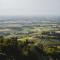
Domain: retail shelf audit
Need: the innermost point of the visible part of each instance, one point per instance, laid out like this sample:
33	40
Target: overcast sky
29	7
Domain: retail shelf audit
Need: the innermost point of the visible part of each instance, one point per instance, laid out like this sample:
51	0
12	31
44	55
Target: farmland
30	38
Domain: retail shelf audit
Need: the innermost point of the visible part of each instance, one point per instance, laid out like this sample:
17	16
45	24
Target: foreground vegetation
24	48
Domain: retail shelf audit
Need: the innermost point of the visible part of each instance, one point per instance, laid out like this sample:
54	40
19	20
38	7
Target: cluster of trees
14	50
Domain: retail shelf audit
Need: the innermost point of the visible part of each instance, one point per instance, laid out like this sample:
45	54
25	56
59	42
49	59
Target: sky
29	7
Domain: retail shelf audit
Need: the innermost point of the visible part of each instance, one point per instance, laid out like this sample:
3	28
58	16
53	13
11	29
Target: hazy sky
29	7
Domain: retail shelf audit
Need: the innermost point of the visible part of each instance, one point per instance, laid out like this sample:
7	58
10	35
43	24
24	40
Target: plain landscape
29	38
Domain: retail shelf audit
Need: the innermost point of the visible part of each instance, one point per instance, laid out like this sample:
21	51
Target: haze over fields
8	23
